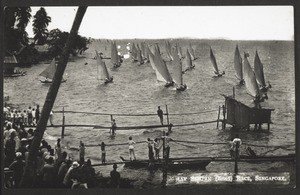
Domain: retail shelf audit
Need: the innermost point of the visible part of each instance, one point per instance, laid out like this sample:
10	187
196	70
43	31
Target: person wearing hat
17	167
115	177
69	175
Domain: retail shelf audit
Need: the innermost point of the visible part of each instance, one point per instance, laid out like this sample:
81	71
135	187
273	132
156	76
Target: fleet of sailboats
49	73
254	80
215	65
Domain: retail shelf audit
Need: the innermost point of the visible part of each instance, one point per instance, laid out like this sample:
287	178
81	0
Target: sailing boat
168	50
188	61
215	65
133	52
259	73
147	53
192	53
49	73
238	65
161	69
102	72
251	84
139	55
114	55
178	72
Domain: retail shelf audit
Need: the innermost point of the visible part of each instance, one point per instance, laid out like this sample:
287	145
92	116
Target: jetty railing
169	125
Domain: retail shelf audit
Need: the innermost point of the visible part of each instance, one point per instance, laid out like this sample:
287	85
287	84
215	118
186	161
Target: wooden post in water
224	120
218	117
164	144
63	125
236	157
167	115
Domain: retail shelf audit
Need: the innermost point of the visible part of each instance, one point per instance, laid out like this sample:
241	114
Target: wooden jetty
171	164
241	116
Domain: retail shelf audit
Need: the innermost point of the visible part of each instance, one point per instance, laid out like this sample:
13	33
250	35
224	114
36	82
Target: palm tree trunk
29	172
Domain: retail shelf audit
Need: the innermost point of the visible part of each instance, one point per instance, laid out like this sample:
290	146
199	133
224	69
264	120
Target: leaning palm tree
40	23
30	168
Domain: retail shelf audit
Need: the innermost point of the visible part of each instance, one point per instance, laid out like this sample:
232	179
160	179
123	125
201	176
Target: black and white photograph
148	97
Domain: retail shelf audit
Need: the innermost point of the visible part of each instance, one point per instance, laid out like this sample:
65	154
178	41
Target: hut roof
10	60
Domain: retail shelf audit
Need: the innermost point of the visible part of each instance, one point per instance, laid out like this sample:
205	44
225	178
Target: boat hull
170	165
15	75
109	80
50	81
181	88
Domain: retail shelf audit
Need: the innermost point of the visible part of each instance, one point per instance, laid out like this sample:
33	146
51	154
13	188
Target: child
103	152
131	149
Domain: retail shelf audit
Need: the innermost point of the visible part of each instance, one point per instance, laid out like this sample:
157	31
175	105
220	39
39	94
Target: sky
155	22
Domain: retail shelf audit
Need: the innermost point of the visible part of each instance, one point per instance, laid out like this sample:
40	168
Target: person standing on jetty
156	148
51	118
37	114
115	177
113	127
131	149
237	142
160	114
167	144
150	149
81	152
103	153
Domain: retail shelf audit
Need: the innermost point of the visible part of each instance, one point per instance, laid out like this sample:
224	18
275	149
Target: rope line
116	114
191	124
268	146
118	144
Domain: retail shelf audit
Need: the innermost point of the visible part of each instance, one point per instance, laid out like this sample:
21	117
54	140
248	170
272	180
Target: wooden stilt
224	120
236	169
218	117
164	144
167	115
63	125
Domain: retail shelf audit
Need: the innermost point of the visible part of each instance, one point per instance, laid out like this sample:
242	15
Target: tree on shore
40	23
28	177
57	39
15	22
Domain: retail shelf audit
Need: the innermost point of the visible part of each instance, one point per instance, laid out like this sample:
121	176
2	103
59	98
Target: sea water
135	90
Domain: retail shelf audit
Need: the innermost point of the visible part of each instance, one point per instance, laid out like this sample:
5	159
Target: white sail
102	69
238	65
259	70
114	54
188	60
191	51
50	70
161	67
213	61
133	52
152	60
177	76
168	50
250	79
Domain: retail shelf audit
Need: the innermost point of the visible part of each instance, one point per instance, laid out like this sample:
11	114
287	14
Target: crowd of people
54	167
